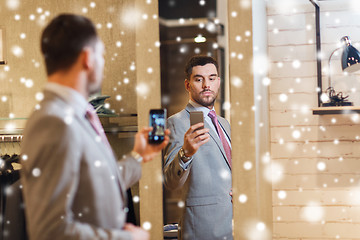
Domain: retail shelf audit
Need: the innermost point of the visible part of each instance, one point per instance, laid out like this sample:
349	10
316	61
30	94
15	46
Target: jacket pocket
201	201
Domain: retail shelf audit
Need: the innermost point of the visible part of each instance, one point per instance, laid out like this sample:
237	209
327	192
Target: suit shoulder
223	119
50	118
40	123
224	122
179	123
183	114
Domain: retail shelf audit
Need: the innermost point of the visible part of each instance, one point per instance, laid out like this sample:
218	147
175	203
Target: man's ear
87	56
187	84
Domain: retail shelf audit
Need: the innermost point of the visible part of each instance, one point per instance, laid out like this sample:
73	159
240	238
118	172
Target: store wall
24	75
315	158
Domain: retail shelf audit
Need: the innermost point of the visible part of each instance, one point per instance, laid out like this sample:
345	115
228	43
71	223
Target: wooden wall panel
331	140
148	97
253	218
111	27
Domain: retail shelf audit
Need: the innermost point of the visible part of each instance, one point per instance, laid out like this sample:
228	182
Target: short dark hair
199	60
63	40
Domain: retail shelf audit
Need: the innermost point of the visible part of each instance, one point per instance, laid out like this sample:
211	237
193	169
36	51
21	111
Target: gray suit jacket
73	187
205	184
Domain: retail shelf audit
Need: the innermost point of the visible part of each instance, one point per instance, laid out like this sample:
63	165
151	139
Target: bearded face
203	85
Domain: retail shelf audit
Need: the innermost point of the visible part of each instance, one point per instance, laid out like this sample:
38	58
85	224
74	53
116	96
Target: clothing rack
11	138
12	225
10	144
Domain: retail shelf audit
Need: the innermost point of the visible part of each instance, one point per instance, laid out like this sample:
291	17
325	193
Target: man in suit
73	187
198	160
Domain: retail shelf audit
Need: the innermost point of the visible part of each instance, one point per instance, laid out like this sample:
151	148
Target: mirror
310	169
189	28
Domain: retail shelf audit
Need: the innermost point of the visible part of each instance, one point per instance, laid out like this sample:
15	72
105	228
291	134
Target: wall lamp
349	62
350	59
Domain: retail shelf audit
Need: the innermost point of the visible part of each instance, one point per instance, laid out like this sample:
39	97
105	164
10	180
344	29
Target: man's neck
70	79
200	105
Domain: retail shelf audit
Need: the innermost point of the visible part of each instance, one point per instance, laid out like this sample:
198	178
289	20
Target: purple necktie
96	124
212	115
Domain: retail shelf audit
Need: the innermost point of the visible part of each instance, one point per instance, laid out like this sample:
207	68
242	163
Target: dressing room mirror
301	180
213	22
189	28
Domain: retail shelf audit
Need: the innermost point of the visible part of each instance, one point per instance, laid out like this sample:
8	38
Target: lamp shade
350	58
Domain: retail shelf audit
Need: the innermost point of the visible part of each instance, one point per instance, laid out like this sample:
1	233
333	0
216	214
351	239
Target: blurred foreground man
198	161
73	186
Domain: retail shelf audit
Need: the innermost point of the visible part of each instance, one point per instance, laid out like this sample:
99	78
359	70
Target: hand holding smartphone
191	145
157	120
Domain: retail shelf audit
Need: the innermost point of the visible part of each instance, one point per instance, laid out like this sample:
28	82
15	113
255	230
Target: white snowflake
243	198
312	212
36	172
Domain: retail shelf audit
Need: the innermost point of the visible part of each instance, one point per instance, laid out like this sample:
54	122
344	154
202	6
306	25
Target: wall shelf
121	129
336	110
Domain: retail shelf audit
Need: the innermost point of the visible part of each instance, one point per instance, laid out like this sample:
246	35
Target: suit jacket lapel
189	108
109	156
216	138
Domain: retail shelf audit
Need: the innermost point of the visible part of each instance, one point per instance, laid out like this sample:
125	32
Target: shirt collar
199	107
69	95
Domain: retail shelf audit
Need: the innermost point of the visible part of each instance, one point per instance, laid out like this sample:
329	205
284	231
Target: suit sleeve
50	177
130	170
174	175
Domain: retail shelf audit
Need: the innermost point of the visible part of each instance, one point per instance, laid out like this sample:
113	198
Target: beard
206	101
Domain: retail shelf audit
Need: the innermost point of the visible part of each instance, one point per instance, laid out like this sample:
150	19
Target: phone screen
157	120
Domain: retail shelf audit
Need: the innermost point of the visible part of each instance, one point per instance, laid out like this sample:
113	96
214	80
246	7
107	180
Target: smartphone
196	117
157	120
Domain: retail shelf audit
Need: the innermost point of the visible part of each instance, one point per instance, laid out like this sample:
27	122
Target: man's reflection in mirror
198	157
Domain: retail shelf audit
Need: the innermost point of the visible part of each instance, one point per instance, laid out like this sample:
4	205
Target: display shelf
336	110
12	126
115	129
10	119
17	131
109	128
120	129
100	115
